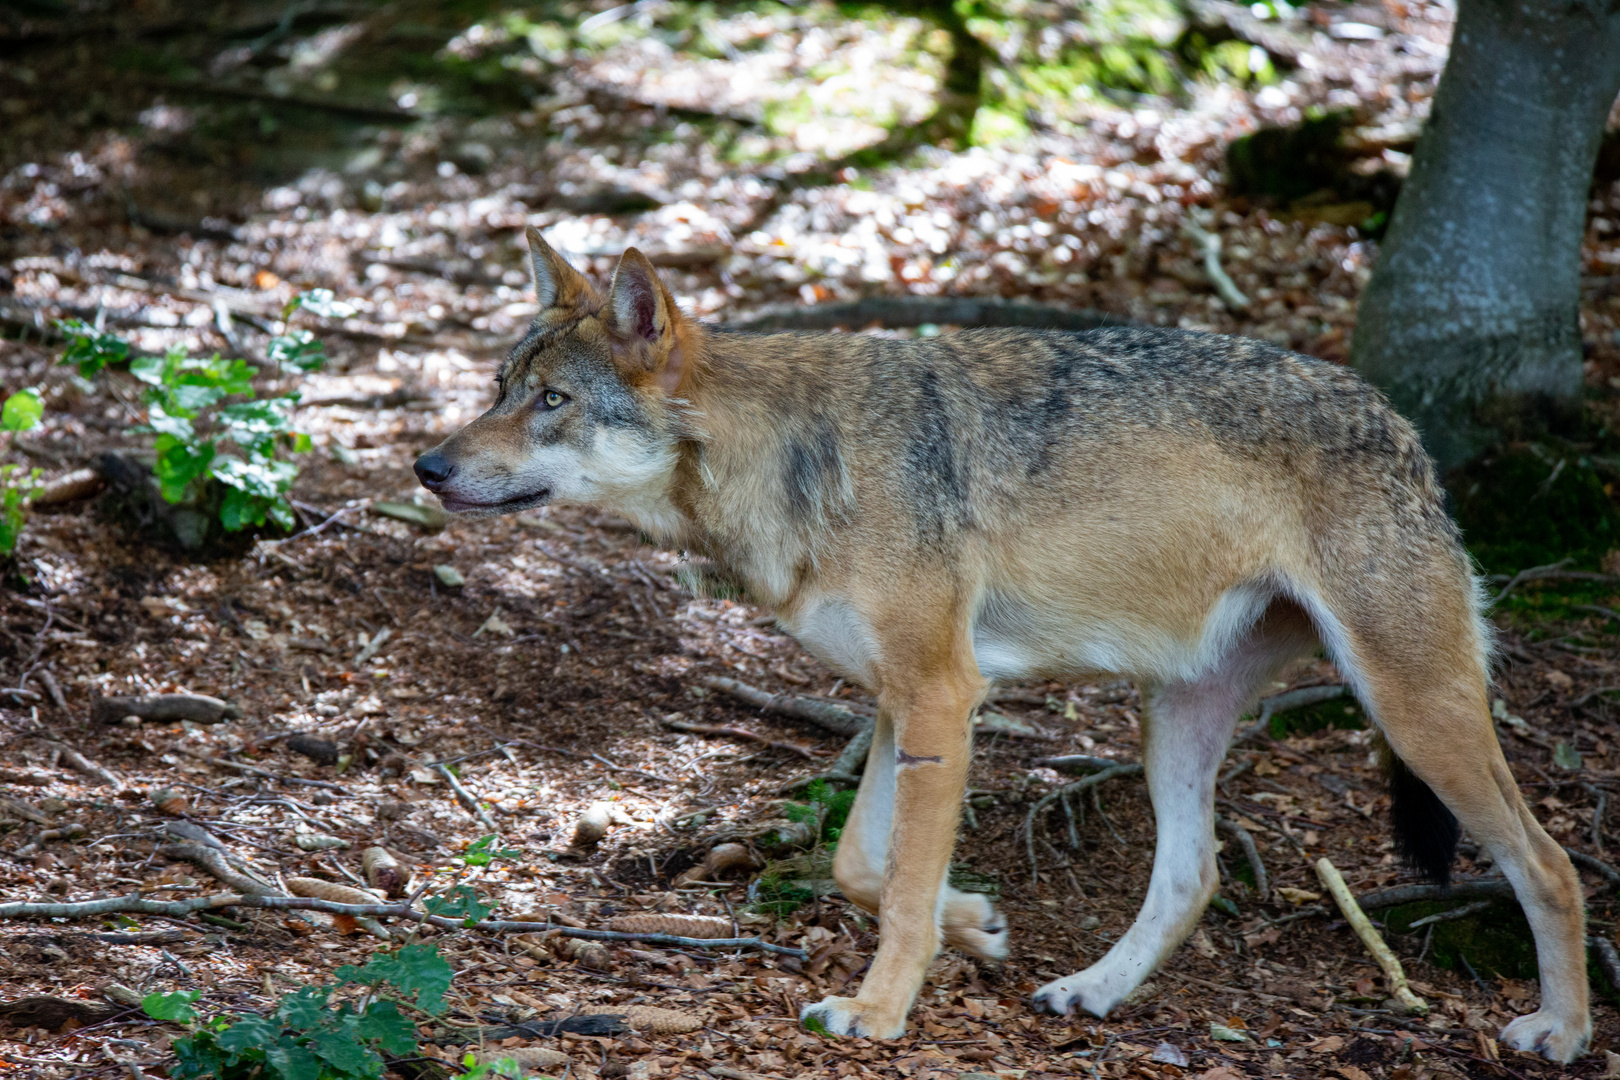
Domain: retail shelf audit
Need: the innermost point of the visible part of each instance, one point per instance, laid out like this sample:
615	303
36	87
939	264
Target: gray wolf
1194	512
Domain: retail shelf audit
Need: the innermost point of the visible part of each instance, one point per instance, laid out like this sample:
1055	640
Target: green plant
309	1035
482	852
202	437
21	412
826	807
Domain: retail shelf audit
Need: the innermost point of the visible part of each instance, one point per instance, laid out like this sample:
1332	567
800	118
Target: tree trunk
1470	322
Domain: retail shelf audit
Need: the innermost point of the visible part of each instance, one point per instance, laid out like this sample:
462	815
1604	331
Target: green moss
1343	713
1531	505
1495	942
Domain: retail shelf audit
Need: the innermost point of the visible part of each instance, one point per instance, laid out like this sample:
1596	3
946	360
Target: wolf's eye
553	399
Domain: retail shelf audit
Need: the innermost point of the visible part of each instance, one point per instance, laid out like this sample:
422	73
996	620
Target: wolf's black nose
433	469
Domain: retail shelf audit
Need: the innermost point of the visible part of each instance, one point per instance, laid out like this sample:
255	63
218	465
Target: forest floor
549	679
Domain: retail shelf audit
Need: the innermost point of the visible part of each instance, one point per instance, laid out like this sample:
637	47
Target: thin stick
1130	769
1287	702
830	715
1448	916
1597	866
1209	245
1394	977
1475	888
84	764
135	904
466	799
1251	852
738	733
1608	960
844	767
266	773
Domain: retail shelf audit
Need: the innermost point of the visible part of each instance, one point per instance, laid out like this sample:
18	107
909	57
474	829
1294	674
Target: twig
1596	865
266	773
1209	245
135	904
1077	763
1550	571
52	688
1496	888
845	766
84	764
830	715
739	733
1130	769
1251	852
1287	702
466	799
1394	977
1448	916
213	861
1598	609
1598	812
1608	960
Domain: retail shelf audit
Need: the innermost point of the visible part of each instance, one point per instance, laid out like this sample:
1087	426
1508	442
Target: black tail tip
1426	833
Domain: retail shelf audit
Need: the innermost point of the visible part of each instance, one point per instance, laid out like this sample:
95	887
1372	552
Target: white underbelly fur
1015	640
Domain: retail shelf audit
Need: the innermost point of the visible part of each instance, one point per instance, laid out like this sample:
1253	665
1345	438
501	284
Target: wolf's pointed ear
556	284
646	324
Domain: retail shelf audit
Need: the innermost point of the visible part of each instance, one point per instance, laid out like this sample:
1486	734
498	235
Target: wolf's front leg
926	761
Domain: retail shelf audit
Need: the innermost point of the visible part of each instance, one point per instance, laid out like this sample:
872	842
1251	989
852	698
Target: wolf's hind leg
1186	727
969	921
1432	709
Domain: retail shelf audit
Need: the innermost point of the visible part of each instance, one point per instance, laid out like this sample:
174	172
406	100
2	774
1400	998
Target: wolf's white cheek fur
632	474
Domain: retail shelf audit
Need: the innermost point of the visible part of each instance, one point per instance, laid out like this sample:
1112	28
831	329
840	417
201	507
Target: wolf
1191	511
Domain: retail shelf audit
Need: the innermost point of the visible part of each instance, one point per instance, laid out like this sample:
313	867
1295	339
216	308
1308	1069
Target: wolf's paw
847	1016
973	925
1062	996
1545	1034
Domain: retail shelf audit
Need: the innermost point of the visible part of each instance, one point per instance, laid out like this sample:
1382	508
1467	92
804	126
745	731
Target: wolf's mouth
458	505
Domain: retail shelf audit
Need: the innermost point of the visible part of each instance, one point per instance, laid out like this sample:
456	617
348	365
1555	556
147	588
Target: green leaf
321	302
297	349
288	1060
1566	756
461	903
89	348
481	851
414	969
22	410
347	1055
388	1028
305	1007
175	1007
249	1033
1222	1033
150	369
178	465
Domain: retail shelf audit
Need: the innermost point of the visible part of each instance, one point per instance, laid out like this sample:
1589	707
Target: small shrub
21	412
208	424
309	1036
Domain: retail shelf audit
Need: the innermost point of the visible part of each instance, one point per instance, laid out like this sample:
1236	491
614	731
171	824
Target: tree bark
1470	322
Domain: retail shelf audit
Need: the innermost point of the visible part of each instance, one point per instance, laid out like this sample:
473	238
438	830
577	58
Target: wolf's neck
767	479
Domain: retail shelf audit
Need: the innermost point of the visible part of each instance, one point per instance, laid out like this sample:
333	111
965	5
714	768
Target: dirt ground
549	679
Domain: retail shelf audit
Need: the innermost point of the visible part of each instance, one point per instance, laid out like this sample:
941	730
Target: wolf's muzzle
434	470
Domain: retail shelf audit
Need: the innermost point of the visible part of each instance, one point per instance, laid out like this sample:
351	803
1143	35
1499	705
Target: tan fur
1186	510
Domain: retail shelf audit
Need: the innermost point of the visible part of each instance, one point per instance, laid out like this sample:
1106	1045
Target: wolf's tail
1426	832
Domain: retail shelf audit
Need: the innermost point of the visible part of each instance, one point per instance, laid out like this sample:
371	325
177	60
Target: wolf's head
585	411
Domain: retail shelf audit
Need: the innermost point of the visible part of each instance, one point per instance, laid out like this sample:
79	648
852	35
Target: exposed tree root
1251	852
135	904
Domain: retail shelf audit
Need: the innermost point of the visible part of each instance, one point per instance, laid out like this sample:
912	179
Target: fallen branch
1608	959
845	767
819	711
1076	763
1552	571
1473	888
256	771
1110	773
84	764
739	733
901	311
1287	702
135	904
213	862
1449	916
1596	865
198	708
1210	245
467	799
1251	852
1394	977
